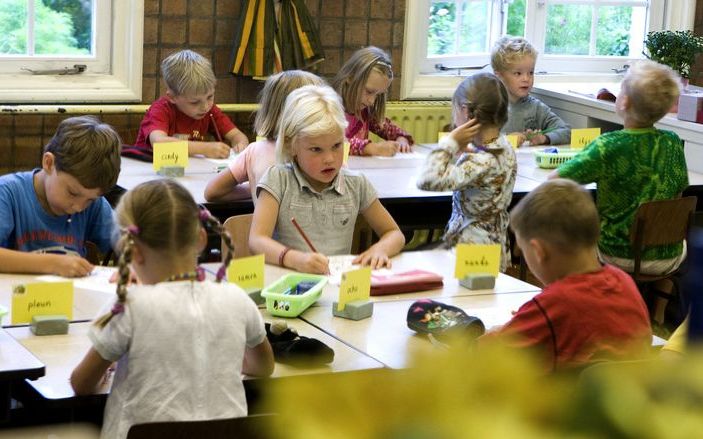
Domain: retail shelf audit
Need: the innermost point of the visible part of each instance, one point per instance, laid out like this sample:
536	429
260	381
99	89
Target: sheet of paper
97	280
341	263
403	156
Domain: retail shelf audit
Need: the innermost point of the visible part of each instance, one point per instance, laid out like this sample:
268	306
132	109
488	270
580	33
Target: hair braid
124	274
215	225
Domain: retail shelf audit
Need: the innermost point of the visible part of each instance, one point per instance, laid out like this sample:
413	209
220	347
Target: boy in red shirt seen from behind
586	312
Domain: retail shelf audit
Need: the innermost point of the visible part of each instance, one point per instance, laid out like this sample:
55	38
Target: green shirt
630	167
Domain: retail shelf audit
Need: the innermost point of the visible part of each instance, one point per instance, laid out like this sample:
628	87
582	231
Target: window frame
440	85
118	80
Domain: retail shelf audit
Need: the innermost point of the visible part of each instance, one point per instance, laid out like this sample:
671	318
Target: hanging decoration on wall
275	35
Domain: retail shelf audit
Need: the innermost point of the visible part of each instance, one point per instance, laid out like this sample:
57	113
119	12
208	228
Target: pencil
305	237
534	133
217	132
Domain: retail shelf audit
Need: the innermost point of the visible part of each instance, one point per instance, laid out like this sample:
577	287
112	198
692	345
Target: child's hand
464	134
403	144
374	258
520	138
536	137
217	150
71	266
312	263
387	148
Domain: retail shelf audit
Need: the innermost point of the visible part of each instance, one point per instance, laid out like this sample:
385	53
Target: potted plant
676	49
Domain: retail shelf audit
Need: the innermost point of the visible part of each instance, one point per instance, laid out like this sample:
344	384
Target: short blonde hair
353	75
509	50
485	97
187	72
559	212
652	89
309	111
88	150
273	96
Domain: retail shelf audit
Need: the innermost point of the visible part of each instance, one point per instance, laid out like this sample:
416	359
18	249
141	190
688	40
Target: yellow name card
170	154
513	138
356	285
581	137
347	148
477	258
41	298
247	272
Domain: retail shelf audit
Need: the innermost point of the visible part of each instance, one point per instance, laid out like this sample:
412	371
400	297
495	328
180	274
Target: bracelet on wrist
282	255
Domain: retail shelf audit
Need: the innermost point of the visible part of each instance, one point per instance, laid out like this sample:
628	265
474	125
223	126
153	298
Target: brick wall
207	26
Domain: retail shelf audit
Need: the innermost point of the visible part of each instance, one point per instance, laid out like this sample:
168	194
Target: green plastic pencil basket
280	302
550	158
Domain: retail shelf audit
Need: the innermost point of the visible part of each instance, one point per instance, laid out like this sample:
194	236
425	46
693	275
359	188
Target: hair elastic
132	230
117	308
204	214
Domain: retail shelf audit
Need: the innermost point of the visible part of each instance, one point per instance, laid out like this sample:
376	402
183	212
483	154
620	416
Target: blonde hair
162	215
188	72
559	212
273	96
88	150
509	50
485	98
652	89
309	111
353	75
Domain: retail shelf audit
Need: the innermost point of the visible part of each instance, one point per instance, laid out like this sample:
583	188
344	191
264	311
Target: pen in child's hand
302	233
217	131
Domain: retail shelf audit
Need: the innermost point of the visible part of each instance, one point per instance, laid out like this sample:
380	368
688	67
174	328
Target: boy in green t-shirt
634	165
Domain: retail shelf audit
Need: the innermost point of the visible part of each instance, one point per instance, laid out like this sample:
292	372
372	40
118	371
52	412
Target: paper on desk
97	280
221	164
403	156
341	263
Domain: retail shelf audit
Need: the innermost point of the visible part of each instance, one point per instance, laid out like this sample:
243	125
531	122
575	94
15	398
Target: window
571	36
40	35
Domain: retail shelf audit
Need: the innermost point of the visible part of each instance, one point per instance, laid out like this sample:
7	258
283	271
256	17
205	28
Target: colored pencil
217	132
302	233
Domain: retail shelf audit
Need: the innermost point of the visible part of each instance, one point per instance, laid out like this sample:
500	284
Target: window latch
77	69
442	68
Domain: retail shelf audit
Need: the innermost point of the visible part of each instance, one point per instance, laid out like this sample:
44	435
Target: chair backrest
247	427
661	222
238	227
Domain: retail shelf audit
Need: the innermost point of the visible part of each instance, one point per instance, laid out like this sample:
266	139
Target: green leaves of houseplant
676	49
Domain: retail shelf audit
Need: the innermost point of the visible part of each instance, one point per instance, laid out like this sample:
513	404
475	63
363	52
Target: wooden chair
661	222
238	227
247	427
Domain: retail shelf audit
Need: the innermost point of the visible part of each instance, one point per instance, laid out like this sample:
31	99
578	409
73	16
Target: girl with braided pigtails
181	342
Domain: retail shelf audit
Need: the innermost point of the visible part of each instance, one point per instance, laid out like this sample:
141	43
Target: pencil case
407	282
550	158
284	298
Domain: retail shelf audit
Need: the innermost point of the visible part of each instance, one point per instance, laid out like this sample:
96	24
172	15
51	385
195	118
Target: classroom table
386	337
61	353
16	364
437	261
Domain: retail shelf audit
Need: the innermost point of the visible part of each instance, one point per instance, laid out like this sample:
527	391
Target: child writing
363	83
513	60
175	327
634	165
587	311
188	111
260	155
483	175
48	214
310	185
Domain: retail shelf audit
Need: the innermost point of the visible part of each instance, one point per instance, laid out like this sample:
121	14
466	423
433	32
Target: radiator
422	119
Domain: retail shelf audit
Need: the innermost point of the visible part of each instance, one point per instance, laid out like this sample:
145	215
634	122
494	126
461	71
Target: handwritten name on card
41	298
247	272
477	258
580	137
170	154
356	285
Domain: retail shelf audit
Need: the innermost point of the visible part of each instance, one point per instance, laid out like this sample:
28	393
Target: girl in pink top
253	162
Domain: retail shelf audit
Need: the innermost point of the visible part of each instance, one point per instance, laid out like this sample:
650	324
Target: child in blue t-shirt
48	214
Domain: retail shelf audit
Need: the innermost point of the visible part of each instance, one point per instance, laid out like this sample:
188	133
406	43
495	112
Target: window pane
568	30
13	27
63	27
616	33
516	19
475	19
442	29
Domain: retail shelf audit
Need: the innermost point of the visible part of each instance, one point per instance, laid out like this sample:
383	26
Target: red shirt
583	318
358	131
164	116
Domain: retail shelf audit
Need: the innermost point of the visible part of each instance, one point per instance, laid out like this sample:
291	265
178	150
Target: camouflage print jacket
482	182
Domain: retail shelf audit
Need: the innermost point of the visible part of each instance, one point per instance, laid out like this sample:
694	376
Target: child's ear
540	249
202	240
137	254
48	161
170	95
624	103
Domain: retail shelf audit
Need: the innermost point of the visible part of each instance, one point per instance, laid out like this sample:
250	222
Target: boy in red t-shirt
188	112
587	311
